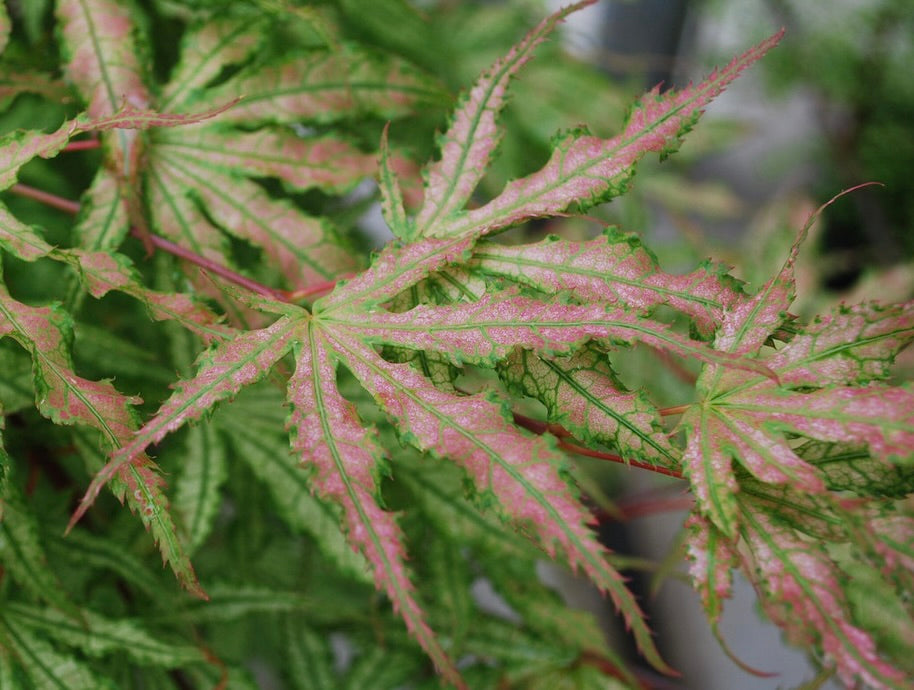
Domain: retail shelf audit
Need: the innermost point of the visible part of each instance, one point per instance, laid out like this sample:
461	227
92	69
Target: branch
561	433
170	247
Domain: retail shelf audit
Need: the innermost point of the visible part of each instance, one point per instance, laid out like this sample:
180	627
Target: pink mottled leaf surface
805	597
474	135
612	269
752	419
344	457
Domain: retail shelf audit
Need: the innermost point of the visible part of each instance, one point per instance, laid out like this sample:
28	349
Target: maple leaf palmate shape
772	505
517	473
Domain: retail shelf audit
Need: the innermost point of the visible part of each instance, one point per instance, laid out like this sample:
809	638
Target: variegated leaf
614	269
206	50
323	86
520	472
344	458
586	170
804	596
582	393
474	135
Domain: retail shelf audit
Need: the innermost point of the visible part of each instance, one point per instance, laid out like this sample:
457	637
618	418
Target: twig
82	145
177	250
46	198
559	431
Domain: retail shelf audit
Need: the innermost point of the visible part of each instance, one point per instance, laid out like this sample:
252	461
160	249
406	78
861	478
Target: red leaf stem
561	433
653	503
211	266
165	245
46	198
83	145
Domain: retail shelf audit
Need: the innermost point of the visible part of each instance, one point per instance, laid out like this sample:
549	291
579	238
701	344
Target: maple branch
83	145
211	266
669	411
46	198
653	503
170	247
561	433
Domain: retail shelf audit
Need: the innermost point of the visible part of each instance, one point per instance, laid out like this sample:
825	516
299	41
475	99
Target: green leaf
21	548
380	668
228	602
85	550
46	668
198	495
98	636
310	661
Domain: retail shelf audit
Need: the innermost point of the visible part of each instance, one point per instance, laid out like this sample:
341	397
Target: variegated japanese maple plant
360	441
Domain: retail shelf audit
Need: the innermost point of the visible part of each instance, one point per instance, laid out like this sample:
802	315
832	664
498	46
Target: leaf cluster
354	446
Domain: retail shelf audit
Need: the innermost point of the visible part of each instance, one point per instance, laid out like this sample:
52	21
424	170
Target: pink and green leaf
103	64
343	457
68	399
487	330
878	416
325	162
18	148
395	269
474	135
251	424
392	206
143	489
103	221
853	345
19	239
206	50
304	249
519	472
102	272
586	170
803	594
324	86
712	559
222	372
174	215
61	395
612	269
14	82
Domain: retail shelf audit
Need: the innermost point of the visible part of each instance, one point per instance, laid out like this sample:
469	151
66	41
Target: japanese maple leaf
46	333
150	170
826	389
200	184
517	473
773	464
